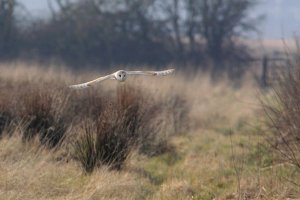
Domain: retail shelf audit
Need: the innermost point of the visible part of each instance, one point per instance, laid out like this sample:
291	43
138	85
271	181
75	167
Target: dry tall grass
115	122
173	138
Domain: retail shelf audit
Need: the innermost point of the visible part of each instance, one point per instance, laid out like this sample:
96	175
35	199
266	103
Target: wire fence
268	69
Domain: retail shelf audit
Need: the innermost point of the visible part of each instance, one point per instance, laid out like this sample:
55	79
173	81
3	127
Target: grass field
218	150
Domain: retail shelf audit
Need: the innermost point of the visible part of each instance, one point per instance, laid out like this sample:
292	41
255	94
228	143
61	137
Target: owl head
121	75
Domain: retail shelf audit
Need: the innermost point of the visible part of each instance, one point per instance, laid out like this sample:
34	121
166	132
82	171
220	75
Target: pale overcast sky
282	16
36	7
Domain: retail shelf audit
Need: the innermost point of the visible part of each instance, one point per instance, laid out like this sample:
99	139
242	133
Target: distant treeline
113	32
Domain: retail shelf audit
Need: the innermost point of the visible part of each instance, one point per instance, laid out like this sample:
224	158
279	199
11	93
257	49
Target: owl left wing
151	73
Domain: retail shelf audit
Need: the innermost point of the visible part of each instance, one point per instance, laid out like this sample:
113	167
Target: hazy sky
282	16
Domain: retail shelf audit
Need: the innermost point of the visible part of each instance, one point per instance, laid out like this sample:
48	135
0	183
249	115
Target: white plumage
121	76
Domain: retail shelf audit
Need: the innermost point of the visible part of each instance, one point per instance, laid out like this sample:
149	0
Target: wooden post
264	75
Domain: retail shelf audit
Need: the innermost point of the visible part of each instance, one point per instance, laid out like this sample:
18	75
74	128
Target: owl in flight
121	76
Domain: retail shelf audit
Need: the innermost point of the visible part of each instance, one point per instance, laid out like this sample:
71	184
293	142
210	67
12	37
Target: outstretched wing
90	83
152	73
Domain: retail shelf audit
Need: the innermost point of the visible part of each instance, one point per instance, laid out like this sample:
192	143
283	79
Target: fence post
264	75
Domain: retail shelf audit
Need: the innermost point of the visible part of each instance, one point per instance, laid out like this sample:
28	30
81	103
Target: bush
85	104
110	139
6	113
178	111
5	119
132	121
41	113
283	114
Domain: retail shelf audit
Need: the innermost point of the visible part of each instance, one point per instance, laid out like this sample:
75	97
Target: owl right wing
90	83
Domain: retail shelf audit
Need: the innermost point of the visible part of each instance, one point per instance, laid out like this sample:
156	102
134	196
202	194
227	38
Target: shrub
5	119
6	115
177	111
110	139
283	114
41	112
169	116
85	104
132	121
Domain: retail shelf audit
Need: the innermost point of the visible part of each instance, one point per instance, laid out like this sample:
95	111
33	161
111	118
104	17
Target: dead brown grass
115	122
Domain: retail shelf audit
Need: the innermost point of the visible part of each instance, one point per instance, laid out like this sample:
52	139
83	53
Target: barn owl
121	76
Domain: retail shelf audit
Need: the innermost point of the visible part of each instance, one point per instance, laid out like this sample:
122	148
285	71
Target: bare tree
192	20
221	22
7	8
172	8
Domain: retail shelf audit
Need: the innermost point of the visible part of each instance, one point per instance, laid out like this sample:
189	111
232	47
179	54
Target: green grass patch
158	167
